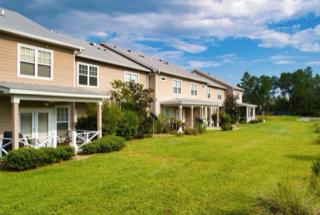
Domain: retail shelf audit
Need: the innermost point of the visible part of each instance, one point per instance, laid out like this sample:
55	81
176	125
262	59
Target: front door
35	125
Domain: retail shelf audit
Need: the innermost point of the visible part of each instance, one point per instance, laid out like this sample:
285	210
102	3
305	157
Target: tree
131	96
230	107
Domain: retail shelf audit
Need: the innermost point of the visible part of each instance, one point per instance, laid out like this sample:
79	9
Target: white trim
40	38
131	73
178	80
69	116
88	78
36	50
194	84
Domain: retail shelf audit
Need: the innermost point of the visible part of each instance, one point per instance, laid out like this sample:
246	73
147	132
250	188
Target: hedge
30	158
107	143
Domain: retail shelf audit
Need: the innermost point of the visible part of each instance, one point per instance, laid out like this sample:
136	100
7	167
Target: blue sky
222	37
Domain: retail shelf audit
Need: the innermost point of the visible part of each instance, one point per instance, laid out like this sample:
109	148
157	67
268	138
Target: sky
221	37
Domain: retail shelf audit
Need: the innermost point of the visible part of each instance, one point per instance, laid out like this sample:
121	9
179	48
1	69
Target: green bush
191	131
128	126
225	119
29	158
226	127
111	117
108	143
316	168
255	121
287	199
87	123
201	128
146	127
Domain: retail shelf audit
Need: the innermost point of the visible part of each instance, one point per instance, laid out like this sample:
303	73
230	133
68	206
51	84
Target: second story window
219	93
34	62
130	76
87	75
177	86
194	89
238	96
208	93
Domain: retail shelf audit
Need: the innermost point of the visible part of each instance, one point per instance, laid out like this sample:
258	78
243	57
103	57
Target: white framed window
194	89
169	111
34	62
237	96
131	76
219	94
88	75
163	78
209	93
177	86
62	120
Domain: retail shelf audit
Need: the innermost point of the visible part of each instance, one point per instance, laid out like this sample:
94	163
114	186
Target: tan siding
63	62
109	73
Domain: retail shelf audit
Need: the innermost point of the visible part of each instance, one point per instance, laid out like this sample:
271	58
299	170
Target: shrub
128	126
226	127
255	121
225	119
287	199
191	131
316	168
146	127
87	123
29	158
111	117
106	144
201	128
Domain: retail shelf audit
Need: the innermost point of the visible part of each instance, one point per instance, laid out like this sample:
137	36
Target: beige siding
109	73
5	113
63	62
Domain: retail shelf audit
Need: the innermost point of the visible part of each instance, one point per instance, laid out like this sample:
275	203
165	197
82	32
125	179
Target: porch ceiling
246	105
189	102
47	91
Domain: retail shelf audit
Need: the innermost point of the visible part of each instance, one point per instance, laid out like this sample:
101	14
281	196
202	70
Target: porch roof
246	105
189	102
13	88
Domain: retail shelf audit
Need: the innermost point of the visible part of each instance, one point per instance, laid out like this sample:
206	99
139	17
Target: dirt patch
81	157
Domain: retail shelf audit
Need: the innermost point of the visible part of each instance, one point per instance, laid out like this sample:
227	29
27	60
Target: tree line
296	93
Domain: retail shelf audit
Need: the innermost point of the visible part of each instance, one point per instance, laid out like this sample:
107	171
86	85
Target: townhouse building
47	78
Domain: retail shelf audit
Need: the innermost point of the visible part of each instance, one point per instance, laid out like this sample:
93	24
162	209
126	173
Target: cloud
311	63
187	47
281	59
202	64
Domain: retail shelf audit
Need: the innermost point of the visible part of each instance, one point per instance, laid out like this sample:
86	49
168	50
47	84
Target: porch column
15	122
73	116
180	112
247	114
254	113
201	112
210	118
99	119
191	115
218	117
206	113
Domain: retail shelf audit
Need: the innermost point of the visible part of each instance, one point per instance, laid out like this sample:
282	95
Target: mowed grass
214	173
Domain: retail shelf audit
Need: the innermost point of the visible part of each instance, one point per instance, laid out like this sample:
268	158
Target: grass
213	173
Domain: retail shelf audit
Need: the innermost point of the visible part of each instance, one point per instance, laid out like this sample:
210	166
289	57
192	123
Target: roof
241	104
15	23
186	101
215	80
47	90
154	63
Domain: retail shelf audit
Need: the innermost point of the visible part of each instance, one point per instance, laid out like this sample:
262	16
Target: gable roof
154	63
216	80
15	23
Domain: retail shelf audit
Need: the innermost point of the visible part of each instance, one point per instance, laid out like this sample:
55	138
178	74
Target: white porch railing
3	145
82	137
38	142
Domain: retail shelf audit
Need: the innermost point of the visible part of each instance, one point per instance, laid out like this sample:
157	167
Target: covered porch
247	112
43	116
188	111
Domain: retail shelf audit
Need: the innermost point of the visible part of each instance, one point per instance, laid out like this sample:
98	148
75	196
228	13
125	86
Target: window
62	121
169	112
163	78
194	90
208	93
176	86
219	93
238	96
34	62
130	76
87	75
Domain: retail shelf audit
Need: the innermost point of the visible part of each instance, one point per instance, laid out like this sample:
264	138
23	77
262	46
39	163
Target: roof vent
129	50
166	62
140	55
105	50
3	12
92	44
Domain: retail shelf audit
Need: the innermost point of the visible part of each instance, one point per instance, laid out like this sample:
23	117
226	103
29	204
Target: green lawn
215	173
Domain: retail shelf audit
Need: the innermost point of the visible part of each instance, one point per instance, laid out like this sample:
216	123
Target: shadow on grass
304	157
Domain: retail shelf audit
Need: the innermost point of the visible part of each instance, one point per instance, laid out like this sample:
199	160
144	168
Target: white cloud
311	63
202	64
187	47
